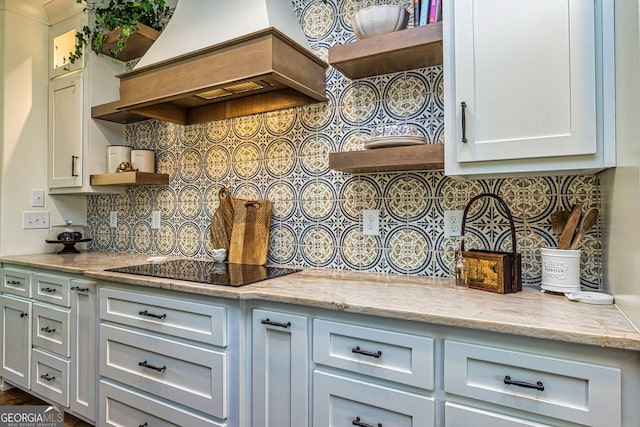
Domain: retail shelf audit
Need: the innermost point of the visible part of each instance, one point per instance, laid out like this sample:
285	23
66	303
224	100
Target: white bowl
381	19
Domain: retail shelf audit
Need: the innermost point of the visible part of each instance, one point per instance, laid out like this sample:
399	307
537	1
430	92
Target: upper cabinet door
62	41
522	82
65	131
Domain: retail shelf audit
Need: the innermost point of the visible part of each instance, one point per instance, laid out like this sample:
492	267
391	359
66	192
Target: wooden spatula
570	228
558	221
585	225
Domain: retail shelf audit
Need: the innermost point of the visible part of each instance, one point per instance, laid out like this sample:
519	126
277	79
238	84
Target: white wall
621	186
23	130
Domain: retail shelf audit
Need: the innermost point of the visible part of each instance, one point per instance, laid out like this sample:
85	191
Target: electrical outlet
452	223
33	219
371	222
155	220
37	198
113	219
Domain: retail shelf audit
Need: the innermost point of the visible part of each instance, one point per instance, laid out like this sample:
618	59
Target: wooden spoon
585	225
570	229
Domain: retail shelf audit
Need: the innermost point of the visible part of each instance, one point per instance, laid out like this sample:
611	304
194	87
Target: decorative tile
317	217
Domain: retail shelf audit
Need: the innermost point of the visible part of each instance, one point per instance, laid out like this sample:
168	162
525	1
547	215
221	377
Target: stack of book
426	12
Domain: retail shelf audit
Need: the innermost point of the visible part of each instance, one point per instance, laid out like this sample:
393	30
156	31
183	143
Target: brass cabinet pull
155	368
278	324
538	385
357	350
359	423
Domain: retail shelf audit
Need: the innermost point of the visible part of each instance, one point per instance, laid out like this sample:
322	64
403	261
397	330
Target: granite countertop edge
529	313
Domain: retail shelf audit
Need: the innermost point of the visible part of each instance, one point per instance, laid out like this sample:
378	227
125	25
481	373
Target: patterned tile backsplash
317	220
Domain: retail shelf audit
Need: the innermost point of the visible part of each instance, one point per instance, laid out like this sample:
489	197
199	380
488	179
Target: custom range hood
218	59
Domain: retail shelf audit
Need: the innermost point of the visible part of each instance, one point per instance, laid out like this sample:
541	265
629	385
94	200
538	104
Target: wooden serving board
222	221
250	235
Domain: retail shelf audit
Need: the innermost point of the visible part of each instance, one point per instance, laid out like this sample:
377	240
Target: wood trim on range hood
287	75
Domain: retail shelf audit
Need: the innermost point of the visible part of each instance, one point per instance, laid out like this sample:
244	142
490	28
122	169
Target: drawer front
52	289
50	376
184	373
393	356
185	319
16	282
121	406
573	391
51	329
340	401
459	416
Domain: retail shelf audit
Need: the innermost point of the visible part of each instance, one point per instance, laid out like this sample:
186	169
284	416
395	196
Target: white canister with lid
143	160
117	154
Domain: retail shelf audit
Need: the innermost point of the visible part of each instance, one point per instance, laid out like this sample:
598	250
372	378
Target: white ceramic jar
117	154
143	160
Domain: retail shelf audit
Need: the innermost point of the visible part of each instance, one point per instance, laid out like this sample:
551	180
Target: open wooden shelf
392	159
389	53
130	178
137	44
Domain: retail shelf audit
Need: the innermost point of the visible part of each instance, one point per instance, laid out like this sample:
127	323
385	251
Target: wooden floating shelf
389	53
392	159
130	178
137	44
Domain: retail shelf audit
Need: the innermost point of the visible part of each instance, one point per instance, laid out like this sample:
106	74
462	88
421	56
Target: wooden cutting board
250	234
222	221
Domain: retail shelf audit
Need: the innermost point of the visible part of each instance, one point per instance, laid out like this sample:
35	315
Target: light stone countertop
426	299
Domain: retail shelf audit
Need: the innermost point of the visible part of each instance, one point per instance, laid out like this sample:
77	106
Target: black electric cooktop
207	271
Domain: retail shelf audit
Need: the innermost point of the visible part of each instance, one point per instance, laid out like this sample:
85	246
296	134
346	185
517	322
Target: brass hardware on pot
490	270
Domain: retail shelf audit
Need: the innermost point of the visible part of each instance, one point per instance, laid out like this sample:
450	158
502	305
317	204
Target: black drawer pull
47	330
49	290
359	423
155	368
278	324
357	350
143	425
23	314
155	316
79	289
14	282
537	386
46	377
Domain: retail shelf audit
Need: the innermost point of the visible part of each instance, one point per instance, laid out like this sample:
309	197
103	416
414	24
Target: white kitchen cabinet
280	369
460	416
564	389
528	89
49	340
77	146
16	340
83	376
175	354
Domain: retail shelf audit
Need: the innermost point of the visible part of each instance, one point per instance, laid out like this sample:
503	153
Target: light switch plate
33	220
37	198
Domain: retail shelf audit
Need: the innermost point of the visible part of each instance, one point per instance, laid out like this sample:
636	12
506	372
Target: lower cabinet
48	340
280	369
463	416
342	401
165	359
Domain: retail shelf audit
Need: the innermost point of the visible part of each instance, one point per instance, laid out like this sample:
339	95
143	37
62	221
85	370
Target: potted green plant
122	16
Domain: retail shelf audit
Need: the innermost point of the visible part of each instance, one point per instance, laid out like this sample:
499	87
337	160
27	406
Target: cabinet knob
23	314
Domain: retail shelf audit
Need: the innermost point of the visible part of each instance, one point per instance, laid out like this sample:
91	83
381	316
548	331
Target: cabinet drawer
185	319
52	289
459	416
184	373
121	406
16	282
51	329
393	356
340	401
50	376
579	392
